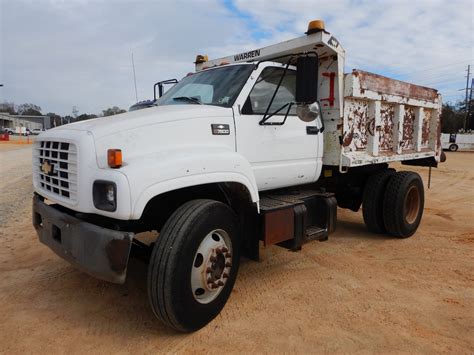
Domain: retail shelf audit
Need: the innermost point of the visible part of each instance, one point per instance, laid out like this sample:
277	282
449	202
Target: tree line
454	117
56	120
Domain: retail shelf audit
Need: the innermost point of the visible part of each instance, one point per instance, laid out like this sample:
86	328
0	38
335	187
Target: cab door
280	155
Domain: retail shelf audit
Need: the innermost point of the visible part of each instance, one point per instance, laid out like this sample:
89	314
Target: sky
63	53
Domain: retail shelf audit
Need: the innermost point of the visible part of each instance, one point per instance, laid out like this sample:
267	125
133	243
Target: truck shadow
356	230
105	308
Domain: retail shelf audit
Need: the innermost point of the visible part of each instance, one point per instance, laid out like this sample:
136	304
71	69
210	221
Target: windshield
219	87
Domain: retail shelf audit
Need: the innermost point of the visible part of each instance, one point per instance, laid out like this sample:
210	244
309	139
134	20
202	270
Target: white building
31	122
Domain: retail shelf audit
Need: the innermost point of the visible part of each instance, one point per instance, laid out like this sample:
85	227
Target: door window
263	90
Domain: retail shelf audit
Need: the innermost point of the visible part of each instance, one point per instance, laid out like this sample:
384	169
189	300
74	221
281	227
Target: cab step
291	219
316	233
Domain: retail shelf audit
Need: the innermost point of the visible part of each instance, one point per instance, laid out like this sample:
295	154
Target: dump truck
252	150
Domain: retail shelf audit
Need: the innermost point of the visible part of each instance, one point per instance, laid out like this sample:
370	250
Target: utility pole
470	114
467	97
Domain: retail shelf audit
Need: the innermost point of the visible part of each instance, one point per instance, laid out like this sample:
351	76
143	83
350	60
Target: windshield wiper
188	99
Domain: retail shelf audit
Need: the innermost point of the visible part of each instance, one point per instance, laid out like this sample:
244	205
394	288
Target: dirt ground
357	292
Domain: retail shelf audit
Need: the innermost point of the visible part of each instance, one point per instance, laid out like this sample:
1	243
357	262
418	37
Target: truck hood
104	126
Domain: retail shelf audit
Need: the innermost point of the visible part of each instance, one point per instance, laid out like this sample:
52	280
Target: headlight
104	194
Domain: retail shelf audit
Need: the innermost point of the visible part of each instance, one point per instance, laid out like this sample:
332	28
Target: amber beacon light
114	158
315	26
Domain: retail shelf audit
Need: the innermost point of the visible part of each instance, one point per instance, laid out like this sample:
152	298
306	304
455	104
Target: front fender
162	172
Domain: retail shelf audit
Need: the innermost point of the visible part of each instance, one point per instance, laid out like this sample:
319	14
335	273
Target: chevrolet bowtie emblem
47	168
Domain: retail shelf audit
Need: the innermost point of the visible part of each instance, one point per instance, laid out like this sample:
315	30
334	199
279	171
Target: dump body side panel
385	120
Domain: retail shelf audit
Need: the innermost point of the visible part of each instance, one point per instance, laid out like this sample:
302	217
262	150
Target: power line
433	68
431	76
452	81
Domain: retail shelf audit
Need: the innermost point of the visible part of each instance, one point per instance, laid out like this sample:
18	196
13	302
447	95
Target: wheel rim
211	266
412	204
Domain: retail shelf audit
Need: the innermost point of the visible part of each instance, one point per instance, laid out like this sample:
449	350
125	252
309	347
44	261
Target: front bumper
100	252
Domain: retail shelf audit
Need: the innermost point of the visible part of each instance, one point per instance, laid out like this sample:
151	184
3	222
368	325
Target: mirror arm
265	116
264	122
160	85
321	130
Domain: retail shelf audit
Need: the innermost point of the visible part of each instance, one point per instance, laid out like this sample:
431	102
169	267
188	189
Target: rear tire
182	294
453	148
372	201
403	204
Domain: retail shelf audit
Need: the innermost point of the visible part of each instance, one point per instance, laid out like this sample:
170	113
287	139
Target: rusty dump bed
385	120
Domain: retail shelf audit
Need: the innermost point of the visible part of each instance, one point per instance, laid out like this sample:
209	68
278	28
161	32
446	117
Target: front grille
56	168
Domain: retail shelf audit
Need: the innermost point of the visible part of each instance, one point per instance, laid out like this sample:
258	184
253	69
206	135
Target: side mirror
309	113
306	79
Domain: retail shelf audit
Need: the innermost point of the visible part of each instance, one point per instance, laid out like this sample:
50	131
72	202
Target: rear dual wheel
403	204
372	200
393	202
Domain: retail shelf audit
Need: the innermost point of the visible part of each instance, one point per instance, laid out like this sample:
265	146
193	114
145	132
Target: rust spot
371	127
357	123
347	140
408	128
384	85
386	128
425	132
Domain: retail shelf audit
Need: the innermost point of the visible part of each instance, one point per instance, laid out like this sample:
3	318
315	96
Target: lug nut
225	250
228	264
228	255
213	259
218	251
214	285
220	283
210	282
225	275
208	270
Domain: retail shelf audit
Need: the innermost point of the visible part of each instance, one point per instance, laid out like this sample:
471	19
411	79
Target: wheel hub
412	204
212	266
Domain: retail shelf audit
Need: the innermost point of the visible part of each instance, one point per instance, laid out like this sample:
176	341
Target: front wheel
194	264
453	148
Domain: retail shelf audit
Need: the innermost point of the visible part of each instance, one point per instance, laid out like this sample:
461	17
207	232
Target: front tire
453	148
194	264
403	204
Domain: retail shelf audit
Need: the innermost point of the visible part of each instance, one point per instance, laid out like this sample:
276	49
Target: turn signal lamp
201	59
114	158
315	26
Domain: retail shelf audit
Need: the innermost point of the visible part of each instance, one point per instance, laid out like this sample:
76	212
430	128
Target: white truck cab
260	146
